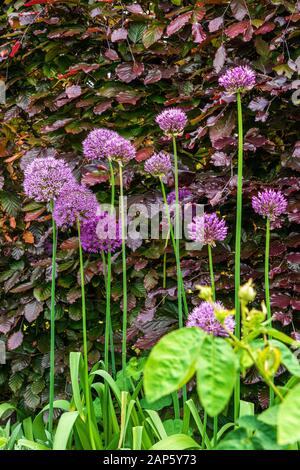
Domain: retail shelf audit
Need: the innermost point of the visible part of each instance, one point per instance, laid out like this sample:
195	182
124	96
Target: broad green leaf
246	408
75	360
64	429
172	362
287	358
289	417
216	374
31	445
176	442
135	32
6	410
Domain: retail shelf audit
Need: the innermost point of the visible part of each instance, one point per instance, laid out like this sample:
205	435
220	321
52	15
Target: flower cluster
238	79
95	143
159	164
203	316
172	121
183	195
207	229
45	178
269	203
101	233
75	202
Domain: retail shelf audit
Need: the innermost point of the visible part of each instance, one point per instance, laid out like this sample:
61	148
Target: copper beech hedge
70	66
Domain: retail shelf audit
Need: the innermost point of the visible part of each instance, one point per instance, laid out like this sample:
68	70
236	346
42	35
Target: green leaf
31	445
42	293
289	417
6	410
287	358
135	32
64	429
172	362
176	442
10	203
152	35
216	374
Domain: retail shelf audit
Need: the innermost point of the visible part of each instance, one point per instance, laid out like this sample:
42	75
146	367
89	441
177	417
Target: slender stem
211	271
204	429
212	281
165	270
237	272
52	323
85	348
124	269
267	289
177	235
186	311
108	292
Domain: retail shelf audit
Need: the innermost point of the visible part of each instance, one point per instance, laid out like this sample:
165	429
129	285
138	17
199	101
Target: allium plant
270	204
158	165
203	316
238	80
74	206
44	180
172	121
95	143
101	234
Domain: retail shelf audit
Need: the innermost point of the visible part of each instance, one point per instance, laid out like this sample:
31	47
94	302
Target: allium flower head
238	79
75	202
269	203
46	177
183	194
172	121
94	144
203	316
119	149
207	229
101	233
159	164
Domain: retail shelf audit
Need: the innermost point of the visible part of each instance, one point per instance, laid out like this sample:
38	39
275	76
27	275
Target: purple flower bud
119	149
159	164
101	233
207	229
46	177
238	79
74	202
172	121
270	204
94	144
203	316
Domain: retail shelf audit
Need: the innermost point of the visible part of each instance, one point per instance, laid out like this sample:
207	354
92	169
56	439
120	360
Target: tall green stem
267	288
211	271
124	269
237	272
85	348
174	245
52	323
177	235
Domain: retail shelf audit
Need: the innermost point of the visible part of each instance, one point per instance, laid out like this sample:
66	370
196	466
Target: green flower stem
124	269
85	348
177	233
212	281
52	323
267	288
237	271
211	271
204	430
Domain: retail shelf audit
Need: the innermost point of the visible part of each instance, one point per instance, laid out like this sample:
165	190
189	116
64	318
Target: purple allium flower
207	229
45	178
172	121
203	316
119	149
159	164
94	144
183	193
101	233
238	79
269	204
75	202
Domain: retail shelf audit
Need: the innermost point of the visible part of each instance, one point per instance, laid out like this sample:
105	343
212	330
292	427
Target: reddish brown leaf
119	34
178	23
15	340
237	28
128	72
100	108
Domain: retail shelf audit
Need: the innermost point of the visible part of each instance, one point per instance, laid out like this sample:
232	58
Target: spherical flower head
45	178
172	121
207	229
238	79
270	203
119	149
94	144
101	233
183	194
203	316
74	203
159	164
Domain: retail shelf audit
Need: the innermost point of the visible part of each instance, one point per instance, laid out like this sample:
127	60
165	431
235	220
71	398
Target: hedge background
70	66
